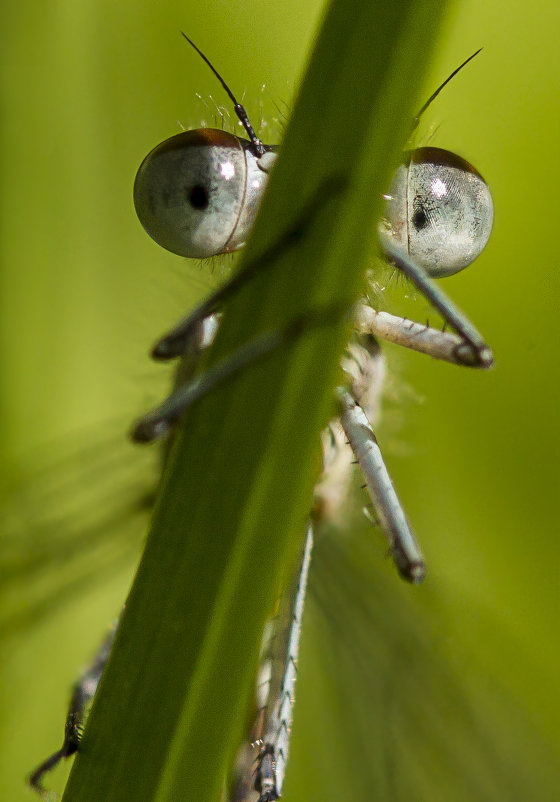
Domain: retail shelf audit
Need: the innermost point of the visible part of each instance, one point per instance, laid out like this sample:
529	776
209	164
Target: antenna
433	96
260	149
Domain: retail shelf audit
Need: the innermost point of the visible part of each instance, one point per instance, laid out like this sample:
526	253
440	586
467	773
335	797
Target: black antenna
432	97
237	107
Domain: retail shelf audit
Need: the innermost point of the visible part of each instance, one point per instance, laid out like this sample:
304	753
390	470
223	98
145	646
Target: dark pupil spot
198	197
419	219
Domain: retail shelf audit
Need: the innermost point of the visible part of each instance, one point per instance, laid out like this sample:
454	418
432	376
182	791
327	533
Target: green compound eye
197	193
439	209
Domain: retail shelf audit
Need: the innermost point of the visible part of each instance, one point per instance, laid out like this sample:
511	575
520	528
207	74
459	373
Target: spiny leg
271	734
472	350
359	403
82	696
444	345
164	418
281	719
402	543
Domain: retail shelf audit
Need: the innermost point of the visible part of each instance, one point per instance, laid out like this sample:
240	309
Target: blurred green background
427	693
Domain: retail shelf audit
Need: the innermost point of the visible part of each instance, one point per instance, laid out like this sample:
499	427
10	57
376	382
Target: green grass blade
173	704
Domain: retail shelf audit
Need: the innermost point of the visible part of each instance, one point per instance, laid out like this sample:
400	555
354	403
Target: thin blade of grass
173	704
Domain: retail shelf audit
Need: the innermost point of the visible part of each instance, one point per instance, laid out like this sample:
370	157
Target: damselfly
197	195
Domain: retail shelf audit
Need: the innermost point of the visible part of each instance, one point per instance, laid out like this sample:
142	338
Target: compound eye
439	208
190	191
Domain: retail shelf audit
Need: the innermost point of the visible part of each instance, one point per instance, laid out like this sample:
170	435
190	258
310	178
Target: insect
197	195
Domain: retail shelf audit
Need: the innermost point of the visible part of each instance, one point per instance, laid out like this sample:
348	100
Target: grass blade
237	489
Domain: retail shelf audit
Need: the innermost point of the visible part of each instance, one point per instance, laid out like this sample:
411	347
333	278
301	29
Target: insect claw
470	356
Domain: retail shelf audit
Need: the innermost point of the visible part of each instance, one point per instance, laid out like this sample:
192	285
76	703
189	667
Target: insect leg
399	330
472	349
279	729
404	548
161	420
80	703
265	774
